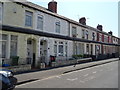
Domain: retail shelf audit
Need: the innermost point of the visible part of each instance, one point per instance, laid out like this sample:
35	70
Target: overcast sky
104	12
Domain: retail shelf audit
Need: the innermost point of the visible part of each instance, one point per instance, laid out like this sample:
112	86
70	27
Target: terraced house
35	33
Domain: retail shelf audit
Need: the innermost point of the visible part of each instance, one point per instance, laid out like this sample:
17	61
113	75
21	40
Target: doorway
31	52
43	51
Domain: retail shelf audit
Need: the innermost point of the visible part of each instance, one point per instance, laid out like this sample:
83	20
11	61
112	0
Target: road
101	76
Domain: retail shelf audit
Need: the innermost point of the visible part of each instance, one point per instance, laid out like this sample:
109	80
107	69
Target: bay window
13	46
3	46
66	49
60	48
55	48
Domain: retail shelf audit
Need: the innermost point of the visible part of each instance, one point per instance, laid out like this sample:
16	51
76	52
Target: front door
30	52
91	49
43	51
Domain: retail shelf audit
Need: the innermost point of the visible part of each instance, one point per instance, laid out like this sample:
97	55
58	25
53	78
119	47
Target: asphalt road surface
101	76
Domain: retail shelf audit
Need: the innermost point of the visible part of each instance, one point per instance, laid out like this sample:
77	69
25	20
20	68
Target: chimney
99	27
82	20
52	6
111	33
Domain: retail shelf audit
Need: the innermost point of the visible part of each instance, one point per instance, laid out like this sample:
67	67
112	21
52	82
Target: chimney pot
82	20
99	27
111	33
52	6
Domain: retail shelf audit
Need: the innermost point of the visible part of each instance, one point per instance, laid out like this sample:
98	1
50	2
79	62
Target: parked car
7	73
7	79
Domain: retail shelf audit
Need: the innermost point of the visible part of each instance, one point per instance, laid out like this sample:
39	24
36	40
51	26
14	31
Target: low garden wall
70	62
19	68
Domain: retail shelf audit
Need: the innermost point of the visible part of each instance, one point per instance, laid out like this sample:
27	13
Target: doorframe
47	48
34	43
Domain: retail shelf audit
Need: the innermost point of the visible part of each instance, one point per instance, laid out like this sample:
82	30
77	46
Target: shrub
77	56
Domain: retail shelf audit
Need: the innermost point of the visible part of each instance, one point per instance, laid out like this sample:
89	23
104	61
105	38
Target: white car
6	73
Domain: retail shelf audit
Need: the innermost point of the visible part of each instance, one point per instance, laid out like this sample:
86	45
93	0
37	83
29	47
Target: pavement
101	76
38	75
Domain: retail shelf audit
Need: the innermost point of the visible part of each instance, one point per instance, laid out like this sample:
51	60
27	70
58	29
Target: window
100	37
60	50
58	27
40	22
66	49
97	49
13	46
106	39
55	48
86	34
3	45
0	13
93	36
74	32
28	19
83	33
87	49
75	48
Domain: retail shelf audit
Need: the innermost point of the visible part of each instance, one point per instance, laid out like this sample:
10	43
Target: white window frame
14	41
83	33
93	36
87	34
40	22
30	14
74	31
59	50
1	11
57	26
100	37
6	41
66	49
55	48
87	48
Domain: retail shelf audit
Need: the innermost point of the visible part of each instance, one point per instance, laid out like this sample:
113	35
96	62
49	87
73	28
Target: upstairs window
28	19
100	37
87	34
83	33
0	12
40	22
57	26
93	36
74	32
